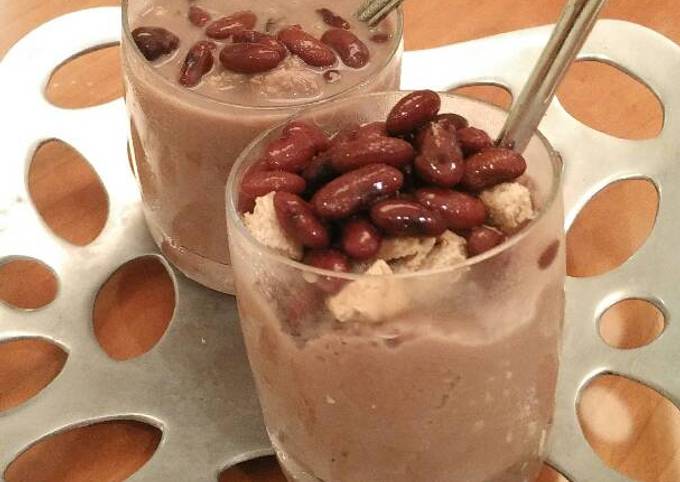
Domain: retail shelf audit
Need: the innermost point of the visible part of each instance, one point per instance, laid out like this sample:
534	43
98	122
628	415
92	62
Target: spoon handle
575	24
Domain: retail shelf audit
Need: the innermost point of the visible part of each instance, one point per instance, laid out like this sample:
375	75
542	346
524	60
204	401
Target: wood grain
598	95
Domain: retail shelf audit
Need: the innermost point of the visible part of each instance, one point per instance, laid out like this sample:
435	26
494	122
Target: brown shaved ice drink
204	77
400	286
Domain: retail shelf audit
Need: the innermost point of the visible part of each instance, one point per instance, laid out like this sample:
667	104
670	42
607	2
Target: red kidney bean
458	121
439	160
198	62
154	42
332	76
310	49
248	58
460	211
330	260
473	140
492	166
371	150
346	134
380	38
198	16
259	165
255	37
299	221
332	19
246	203
482	239
360	239
259	183
292	152
356	190
225	27
355	132
318	171
371	130
413	111
548	255
405	217
316	136
352	51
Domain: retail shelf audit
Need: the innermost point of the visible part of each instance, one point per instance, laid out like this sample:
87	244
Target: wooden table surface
631	427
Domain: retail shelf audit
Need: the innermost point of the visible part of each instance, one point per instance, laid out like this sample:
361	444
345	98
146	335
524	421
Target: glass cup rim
235	220
192	94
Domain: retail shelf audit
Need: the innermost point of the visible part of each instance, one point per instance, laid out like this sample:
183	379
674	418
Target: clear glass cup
183	147
457	385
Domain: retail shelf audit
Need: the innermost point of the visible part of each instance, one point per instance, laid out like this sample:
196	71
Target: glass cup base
293	470
527	471
205	271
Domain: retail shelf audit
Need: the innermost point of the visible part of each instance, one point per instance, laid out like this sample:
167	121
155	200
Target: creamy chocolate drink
400	286
203	78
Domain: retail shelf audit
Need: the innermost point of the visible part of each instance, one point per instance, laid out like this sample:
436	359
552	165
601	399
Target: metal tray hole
626	107
90	78
492	93
631	323
548	474
262	469
67	193
27	283
27	366
631	427
122	329
611	227
105	451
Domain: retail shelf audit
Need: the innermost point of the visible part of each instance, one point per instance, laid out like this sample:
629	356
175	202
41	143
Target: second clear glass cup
457	383
184	142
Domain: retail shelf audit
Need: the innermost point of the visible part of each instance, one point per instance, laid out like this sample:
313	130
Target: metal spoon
575	24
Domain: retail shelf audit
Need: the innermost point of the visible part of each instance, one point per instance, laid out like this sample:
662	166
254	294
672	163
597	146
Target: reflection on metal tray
209	413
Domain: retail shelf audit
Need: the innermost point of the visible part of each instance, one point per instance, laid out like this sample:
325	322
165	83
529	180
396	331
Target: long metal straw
373	11
575	24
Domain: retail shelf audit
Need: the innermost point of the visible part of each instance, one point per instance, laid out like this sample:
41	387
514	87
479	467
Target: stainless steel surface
195	384
373	11
571	31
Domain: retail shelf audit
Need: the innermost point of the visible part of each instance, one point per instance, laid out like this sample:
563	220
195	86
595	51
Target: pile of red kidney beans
248	51
418	173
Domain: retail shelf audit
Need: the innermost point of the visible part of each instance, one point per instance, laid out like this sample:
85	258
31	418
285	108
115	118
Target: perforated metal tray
195	385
